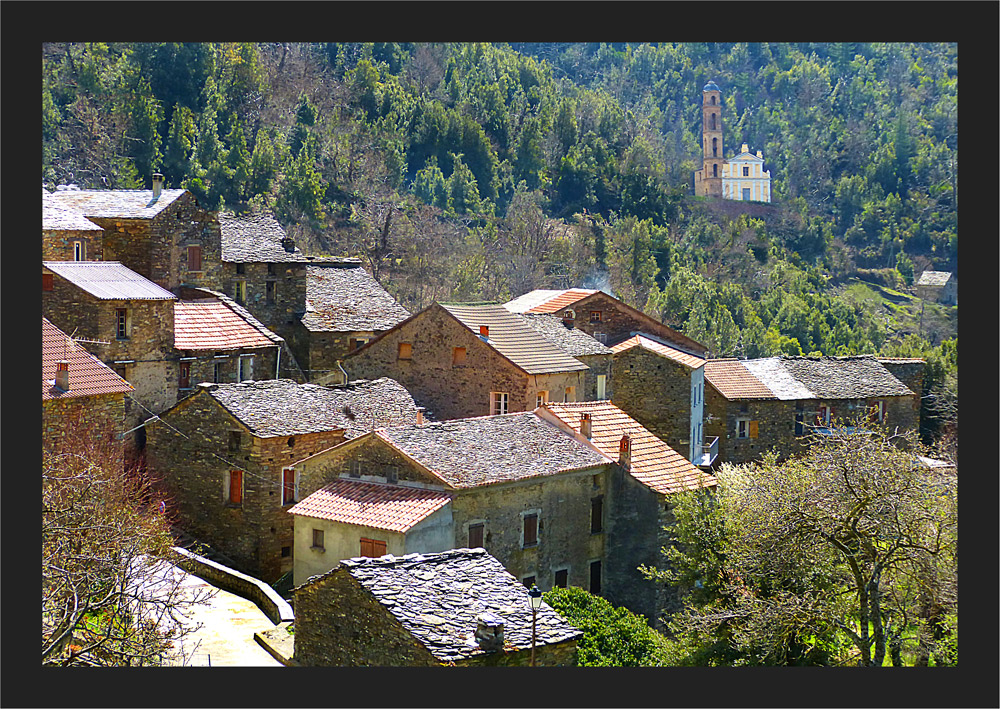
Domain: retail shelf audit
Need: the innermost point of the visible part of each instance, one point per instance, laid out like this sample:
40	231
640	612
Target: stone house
579	345
662	387
762	404
83	400
636	497
222	455
67	235
521	487
940	286
602	316
162	234
127	321
458	607
471	360
323	306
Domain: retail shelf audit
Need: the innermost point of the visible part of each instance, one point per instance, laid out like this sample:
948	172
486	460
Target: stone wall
339	623
282	315
228	361
449	391
656	392
325	348
57	244
80	423
616	321
562	654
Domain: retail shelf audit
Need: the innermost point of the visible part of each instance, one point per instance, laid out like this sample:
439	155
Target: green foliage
612	637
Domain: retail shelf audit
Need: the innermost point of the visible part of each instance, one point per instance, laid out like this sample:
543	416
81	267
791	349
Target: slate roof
933	278
213	325
515	340
491	449
348	299
672	353
280	407
546	301
734	381
391	507
59	217
88	376
121	204
653	462
254	238
108	280
571	340
438	597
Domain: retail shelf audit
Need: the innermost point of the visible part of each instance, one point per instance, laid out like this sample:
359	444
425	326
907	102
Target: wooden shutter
753	429
596	515
562	578
475	536
530	530
405	350
288	486
47	281
185	378
236	487
194	258
367	547
378	547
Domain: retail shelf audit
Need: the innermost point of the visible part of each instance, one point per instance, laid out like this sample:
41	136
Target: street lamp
535	596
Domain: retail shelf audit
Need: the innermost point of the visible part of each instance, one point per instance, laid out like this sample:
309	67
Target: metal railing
709	452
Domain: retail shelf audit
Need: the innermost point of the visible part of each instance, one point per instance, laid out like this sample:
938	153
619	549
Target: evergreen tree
181	139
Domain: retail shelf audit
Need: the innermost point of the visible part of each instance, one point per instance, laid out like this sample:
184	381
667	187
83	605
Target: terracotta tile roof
672	353
392	507
108	280
280	407
121	204
58	217
511	337
571	340
213	325
88	376
735	381
439	597
547	301
491	449
340	298
653	462
934	278
245	314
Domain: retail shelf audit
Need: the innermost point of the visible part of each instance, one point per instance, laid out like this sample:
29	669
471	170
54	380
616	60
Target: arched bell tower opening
708	180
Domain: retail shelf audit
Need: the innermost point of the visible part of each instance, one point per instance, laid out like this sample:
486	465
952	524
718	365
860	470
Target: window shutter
47	281
753	429
530	530
236	487
379	548
288	487
475	536
194	258
367	547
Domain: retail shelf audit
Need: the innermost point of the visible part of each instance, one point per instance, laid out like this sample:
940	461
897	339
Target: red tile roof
653	462
88	376
734	381
213	325
392	507
672	353
560	301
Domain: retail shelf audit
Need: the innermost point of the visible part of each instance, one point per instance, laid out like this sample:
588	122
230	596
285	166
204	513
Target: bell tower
710	182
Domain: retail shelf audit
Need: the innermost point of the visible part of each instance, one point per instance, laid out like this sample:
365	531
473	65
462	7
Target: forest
479	171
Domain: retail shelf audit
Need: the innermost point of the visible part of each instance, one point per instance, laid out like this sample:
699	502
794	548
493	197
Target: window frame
745	420
321	539
458	356
270	292
499	403
481	527
746	171
404	351
354	468
217	372
79	250
596	316
602	386
234	493
597	515
601	337
194	258
249	368
555	577
123	324
541	397
240	291
375	546
285	501
535	515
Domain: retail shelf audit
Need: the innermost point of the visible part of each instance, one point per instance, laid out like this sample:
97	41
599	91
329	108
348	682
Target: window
392	473
405	350
194	258
715	153
595	578
713	100
498	402
746	194
246	367
457	356
217	372
877	410
291	441
240	292
234	440
602	380
711	121
541	397
355	469
569	394
530	530
528	581
236	487
799	426
476	535
121	323
356	343
289	486
823	415
241	268
318	541
597	515
269	292
601	337
372	548
715	168
47	281
746	171
595	316
271	269
184	382
286	551
742	428
562	578
79	250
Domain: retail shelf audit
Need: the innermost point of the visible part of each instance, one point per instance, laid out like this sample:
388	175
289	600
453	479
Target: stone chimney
746	148
489	631
157	185
568	318
62	374
759	155
288	243
420	415
586	428
625	452
484	331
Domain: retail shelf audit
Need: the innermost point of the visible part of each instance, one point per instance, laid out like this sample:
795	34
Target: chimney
586	425
484	331
62	374
489	631
759	155
420	415
746	148
625	451
288	243
157	185
568	317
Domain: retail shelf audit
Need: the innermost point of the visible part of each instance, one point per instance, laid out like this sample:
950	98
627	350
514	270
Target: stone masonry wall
615	322
562	654
57	244
325	348
448	391
656	392
339	623
599	364
203	367
289	281
82	422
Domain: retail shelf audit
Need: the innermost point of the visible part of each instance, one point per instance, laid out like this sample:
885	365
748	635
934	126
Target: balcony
709	452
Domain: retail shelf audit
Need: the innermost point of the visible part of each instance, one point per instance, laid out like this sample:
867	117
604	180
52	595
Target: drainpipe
343	372
277	365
